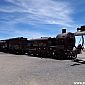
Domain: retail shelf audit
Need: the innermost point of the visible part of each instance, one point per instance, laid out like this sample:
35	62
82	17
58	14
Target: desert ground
27	70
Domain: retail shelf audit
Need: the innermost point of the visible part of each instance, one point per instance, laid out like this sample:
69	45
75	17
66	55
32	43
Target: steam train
59	47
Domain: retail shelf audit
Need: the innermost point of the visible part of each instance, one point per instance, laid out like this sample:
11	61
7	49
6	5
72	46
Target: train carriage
40	46
15	45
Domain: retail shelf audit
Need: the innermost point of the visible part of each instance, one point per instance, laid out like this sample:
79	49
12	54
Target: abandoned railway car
41	46
14	45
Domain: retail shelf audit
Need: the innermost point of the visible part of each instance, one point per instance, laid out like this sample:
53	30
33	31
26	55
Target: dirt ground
27	70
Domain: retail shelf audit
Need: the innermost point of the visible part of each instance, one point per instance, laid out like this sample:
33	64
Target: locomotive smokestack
63	30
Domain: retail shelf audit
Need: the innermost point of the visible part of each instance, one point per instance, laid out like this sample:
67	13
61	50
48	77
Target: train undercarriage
53	53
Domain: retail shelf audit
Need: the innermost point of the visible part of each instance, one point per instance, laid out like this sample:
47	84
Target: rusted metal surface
79	33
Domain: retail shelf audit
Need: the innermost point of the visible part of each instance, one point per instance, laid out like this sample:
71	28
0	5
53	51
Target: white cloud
40	12
34	12
30	35
20	33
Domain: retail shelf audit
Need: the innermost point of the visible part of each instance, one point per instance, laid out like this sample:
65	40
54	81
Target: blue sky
39	18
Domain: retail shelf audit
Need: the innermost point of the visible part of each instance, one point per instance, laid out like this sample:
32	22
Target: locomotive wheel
72	55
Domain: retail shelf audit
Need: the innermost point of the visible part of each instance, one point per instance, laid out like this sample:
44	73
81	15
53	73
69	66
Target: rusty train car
14	45
59	47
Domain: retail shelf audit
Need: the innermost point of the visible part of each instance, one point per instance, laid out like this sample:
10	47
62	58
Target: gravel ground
27	70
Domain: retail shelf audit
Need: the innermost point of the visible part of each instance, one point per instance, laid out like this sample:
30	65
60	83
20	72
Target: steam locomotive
59	47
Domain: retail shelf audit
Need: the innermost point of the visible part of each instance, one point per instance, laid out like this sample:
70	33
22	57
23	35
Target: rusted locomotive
59	47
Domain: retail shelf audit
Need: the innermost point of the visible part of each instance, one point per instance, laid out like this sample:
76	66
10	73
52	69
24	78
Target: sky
40	18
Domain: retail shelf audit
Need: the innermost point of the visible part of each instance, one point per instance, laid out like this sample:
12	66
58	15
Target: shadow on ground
78	62
50	57
53	57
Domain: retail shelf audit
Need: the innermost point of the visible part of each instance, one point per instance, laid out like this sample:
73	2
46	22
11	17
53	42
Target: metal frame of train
60	47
